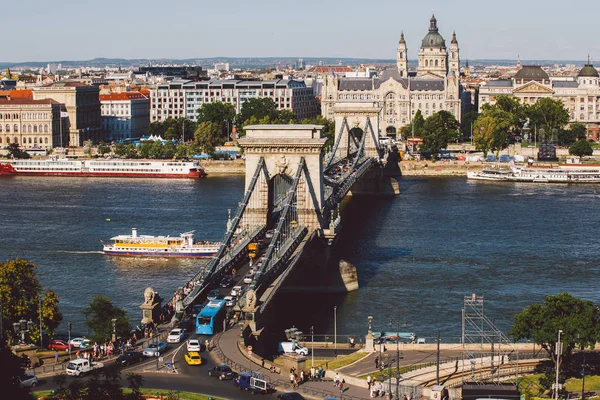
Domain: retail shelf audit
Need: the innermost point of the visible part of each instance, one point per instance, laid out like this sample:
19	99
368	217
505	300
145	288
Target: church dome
433	38
588	71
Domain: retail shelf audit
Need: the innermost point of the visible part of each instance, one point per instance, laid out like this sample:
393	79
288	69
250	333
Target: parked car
154	349
226	281
194	345
129	357
28	380
235	291
221	371
229	301
176	335
193	358
290	396
76	342
213	294
59	345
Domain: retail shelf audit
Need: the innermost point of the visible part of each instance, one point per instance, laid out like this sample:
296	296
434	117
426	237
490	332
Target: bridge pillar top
296	132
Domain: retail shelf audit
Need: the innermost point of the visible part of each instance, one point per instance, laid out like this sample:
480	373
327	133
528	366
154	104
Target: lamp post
312	346
558	351
335	331
22	327
114	333
40	313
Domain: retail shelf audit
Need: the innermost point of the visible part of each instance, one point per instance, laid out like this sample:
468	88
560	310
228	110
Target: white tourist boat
183	246
104	168
563	173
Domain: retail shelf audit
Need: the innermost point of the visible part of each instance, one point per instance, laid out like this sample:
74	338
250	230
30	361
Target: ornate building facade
580	95
400	93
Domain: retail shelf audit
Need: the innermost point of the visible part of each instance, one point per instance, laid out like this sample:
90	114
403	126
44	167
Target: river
417	255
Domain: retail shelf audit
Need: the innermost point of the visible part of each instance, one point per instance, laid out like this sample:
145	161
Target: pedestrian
292	378
341	387
369	381
351	342
336	379
376	362
207	345
56	357
312	372
302	376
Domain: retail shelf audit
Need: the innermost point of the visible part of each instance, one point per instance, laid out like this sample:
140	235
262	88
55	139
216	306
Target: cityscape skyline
315	30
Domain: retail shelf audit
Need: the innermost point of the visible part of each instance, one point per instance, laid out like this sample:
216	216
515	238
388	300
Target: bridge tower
281	149
351	122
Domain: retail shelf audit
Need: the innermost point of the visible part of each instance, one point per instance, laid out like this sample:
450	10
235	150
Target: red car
59	345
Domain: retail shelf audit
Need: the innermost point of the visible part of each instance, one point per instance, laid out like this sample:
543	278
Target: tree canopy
581	148
483	133
99	315
439	129
21	296
549	114
257	108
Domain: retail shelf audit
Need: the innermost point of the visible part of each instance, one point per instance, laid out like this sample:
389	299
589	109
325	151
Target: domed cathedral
400	93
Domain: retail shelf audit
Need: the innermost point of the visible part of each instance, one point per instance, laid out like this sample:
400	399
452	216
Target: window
35	129
7	128
15	128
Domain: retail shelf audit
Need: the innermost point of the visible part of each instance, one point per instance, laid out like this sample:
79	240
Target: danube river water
417	255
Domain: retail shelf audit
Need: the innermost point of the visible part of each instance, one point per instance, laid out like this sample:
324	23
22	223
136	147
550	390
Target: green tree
145	148
168	150
103	148
14	151
99	315
21	295
208	136
483	133
549	114
510	116
466	124
171	133
120	149
156	149
259	108
578	319
581	148
221	115
87	147
439	130
131	151
286	117
135	384
11	371
182	150
156	129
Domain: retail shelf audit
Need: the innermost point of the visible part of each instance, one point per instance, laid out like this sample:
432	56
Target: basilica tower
454	56
433	56
402	57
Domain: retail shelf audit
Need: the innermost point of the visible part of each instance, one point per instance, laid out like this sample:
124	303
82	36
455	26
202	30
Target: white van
292	348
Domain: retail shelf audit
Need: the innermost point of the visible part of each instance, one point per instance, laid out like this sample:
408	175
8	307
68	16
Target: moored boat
563	173
104	168
183	246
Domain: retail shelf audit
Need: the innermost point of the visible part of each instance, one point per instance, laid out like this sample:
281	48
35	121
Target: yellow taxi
193	358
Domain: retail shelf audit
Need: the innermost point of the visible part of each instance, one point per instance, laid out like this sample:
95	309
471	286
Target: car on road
248	278
290	396
196	308
194	345
129	357
76	342
59	345
193	358
226	281
235	291
229	301
214	294
221	371
85	344
154	349
28	380
176	335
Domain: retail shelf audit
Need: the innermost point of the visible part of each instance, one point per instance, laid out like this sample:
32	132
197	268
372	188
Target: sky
152	29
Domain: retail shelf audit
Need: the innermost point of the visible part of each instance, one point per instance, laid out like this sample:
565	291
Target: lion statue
149	295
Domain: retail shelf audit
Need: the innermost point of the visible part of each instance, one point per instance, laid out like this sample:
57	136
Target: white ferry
160	246
564	173
103	168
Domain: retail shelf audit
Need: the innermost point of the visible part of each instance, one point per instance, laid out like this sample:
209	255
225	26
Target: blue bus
211	317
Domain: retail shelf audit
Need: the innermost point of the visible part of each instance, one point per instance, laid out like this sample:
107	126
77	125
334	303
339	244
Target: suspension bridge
292	195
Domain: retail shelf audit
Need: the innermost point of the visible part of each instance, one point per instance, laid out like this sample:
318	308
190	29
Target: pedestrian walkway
225	347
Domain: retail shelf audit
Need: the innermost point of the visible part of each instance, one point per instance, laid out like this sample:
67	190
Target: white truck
292	348
82	366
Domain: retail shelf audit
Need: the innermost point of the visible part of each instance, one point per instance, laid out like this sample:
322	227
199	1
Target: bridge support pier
375	182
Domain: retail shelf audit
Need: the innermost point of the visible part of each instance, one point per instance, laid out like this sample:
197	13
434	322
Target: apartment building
125	115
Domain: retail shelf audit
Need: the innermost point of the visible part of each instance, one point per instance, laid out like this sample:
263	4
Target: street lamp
335	331
558	351
312	346
114	333
22	327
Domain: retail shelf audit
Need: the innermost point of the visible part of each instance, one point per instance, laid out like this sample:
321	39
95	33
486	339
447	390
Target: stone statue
149	296
282	164
526	124
250	299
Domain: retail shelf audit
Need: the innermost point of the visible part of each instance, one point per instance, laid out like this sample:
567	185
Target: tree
221	115
135	383
208	136
510	116
103	148
99	315
286	117
11	371
168	150
145	148
87	147
156	149
581	148
483	133
15	151
20	295
182	150
578	319
259	108
439	129
466	124
171	133
549	114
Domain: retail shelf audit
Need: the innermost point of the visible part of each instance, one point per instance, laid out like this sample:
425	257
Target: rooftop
531	73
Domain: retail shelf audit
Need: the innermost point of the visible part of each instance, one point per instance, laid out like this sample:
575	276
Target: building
31	123
580	94
400	93
177	99
83	105
125	115
181	71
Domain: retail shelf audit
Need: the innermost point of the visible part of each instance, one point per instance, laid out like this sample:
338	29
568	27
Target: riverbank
222	167
439	168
